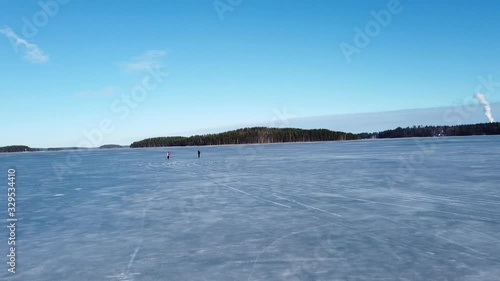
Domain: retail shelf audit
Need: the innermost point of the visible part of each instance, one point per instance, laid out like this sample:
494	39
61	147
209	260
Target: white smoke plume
487	107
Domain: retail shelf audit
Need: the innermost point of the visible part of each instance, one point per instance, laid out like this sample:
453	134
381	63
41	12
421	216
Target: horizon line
241	128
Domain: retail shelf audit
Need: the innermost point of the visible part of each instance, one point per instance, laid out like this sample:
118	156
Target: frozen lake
407	209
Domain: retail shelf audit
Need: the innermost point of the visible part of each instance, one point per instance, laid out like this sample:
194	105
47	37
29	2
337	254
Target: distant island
249	135
258	135
60	148
24	148
16	148
108	146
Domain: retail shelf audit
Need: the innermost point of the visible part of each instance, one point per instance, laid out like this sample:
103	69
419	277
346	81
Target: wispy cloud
31	51
103	92
148	60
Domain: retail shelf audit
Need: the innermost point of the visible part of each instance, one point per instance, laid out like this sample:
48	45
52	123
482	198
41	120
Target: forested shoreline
256	135
16	148
249	136
441	131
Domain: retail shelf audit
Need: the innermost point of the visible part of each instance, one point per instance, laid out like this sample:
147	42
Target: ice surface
407	209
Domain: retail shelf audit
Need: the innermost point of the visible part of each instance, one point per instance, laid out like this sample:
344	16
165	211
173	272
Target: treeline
436	131
62	148
16	148
24	148
278	135
109	146
247	136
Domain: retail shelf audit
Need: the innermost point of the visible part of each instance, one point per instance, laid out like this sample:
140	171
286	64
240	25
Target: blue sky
68	67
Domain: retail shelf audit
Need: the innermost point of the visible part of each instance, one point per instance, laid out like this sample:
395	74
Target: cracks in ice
127	275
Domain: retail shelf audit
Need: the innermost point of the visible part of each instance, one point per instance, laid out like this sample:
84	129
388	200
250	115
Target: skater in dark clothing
199	153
